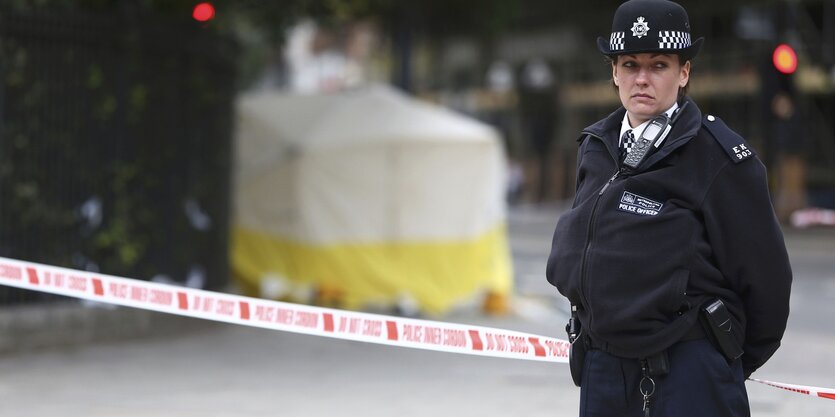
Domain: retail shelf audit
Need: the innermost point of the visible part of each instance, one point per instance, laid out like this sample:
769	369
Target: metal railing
115	143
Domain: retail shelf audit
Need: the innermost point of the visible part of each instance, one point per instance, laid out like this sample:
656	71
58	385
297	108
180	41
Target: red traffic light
203	12
785	59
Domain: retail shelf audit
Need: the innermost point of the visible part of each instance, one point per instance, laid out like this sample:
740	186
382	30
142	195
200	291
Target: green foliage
104	107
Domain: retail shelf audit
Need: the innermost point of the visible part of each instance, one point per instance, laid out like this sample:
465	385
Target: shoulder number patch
742	152
733	144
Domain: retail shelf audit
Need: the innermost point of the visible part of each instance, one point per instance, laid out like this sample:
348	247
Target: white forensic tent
370	196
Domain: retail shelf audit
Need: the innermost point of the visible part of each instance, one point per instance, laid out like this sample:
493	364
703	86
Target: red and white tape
296	318
800	389
276	315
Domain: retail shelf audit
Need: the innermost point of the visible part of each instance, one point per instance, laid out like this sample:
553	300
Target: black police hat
650	26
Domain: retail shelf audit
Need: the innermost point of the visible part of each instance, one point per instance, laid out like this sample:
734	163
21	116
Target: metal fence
115	141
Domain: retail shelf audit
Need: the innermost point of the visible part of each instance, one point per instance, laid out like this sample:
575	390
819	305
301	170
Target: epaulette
733	144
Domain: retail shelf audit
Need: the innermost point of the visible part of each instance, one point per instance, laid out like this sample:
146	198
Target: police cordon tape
277	315
297	318
800	389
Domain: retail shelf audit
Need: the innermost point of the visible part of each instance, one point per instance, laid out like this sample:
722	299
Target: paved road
217	370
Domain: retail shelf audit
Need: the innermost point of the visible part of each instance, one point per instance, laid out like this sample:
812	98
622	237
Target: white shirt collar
624	125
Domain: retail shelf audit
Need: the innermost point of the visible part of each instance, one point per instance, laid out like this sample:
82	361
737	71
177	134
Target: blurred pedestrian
671	255
789	142
499	100
537	95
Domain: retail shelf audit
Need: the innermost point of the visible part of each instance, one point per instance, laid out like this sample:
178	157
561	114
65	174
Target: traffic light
203	12
784	59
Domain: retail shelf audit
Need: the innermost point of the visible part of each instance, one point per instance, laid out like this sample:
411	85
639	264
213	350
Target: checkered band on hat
616	41
671	39
647	26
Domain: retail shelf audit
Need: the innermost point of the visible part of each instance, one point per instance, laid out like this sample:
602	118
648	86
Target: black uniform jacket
638	252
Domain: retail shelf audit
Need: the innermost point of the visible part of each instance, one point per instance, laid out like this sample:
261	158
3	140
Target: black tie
626	143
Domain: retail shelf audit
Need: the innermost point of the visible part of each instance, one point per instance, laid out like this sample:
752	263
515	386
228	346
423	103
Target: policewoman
671	255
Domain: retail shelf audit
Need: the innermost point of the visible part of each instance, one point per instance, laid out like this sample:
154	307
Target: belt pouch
719	327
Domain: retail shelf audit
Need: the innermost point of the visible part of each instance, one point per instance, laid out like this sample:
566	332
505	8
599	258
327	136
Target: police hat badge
650	26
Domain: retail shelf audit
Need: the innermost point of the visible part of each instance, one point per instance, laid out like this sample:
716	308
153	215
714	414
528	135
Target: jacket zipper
590	237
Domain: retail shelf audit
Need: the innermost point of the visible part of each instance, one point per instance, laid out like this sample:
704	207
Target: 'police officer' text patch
635	204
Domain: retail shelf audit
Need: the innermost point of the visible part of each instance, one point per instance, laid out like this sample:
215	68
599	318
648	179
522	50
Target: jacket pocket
563	267
677	298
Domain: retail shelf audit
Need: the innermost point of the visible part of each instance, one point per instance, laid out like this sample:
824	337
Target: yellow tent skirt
437	275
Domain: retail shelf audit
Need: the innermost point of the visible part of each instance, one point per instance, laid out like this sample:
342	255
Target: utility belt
696	332
715	325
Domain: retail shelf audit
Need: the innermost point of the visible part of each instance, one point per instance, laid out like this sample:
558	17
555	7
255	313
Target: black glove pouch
579	346
576	359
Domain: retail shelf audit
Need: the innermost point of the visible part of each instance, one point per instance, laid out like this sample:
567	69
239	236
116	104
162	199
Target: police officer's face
648	83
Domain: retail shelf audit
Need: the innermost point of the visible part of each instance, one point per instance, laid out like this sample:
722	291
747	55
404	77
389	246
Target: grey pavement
94	361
